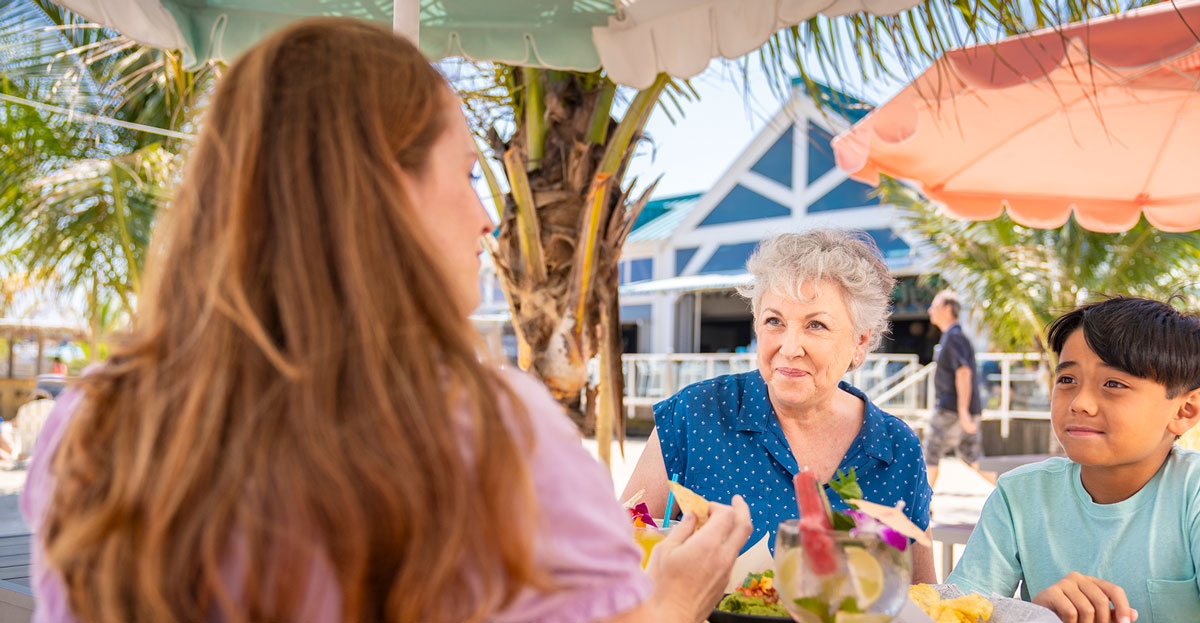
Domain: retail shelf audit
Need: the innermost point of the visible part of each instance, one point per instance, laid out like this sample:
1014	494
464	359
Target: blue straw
670	502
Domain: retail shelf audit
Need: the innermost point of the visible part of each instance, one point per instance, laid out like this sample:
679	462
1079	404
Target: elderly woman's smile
806	345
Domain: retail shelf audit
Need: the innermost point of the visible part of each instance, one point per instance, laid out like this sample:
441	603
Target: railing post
669	376
630	388
1005	395
930	398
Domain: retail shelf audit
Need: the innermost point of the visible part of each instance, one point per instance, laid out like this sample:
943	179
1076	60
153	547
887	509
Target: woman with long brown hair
299	426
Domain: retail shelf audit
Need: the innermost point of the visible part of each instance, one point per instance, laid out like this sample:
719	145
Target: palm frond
1022	278
861	48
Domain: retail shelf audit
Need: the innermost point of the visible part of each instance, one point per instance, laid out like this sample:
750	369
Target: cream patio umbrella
633	40
1029	124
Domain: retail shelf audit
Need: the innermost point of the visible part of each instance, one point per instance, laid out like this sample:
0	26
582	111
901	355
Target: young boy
1113	534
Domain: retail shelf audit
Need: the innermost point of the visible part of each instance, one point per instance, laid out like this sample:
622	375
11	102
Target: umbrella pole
406	19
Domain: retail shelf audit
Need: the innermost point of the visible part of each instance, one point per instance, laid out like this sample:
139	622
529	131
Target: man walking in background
955	423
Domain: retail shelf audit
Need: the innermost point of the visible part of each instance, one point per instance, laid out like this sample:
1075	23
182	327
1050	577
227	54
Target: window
682	257
776	163
743	204
820	152
729	258
641	269
848	194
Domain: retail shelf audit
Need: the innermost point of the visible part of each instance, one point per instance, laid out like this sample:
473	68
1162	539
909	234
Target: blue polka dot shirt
722	437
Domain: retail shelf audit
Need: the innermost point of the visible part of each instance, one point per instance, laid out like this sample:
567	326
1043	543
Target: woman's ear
1188	414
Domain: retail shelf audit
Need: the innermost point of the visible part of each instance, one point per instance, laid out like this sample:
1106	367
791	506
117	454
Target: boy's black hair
1142	337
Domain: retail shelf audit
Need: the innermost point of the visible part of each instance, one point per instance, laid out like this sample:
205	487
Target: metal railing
1014	385
650	378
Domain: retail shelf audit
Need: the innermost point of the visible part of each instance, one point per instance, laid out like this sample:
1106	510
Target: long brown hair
299	388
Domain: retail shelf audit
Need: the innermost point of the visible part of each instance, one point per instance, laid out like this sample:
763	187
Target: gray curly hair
784	263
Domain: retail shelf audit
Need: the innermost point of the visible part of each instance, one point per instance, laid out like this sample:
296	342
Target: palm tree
1022	278
564	148
78	199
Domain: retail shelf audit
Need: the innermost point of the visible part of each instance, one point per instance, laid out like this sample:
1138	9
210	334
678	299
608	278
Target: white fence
1014	385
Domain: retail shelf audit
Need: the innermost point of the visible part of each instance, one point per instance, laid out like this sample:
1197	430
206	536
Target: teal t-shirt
1040	524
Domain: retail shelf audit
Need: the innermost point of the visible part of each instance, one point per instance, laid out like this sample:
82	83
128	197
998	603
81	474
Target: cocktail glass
870	585
647	537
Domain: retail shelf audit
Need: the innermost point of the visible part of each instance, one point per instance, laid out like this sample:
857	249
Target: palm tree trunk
561	230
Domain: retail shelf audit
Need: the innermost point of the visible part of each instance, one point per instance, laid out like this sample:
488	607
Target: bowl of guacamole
755	601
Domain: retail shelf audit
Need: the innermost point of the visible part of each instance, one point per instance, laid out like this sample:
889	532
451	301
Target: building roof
664	224
845	105
688	283
658	207
40	328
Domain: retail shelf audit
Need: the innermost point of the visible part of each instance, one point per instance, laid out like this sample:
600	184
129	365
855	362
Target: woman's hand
690	568
1079	598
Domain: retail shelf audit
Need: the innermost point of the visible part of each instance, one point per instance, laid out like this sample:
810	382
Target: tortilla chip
973	608
895	519
635	498
924	595
690	502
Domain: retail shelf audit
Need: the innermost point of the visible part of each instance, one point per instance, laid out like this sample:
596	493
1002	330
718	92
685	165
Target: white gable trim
703	254
736	233
768	188
870	217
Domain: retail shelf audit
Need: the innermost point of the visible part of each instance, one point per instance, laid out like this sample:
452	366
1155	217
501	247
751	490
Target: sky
692	150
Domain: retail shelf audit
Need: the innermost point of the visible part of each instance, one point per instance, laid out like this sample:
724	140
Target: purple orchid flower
893	538
641	511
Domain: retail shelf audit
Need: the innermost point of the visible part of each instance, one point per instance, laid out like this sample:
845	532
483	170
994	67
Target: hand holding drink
691	565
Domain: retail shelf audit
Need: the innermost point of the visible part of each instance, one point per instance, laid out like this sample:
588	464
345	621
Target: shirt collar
755	409
754	406
876	440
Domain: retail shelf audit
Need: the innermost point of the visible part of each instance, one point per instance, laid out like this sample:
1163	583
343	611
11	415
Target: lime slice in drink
867	576
789	566
860	617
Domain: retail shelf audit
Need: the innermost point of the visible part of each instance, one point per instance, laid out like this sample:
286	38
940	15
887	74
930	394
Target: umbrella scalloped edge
1099	215
645	41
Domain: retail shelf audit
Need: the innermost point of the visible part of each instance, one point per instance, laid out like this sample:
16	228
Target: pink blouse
584	538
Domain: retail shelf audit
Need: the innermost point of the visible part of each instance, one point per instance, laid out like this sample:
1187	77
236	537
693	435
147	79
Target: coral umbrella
1101	118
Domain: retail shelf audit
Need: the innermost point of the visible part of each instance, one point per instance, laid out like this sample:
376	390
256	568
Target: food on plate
690	502
756	596
974	608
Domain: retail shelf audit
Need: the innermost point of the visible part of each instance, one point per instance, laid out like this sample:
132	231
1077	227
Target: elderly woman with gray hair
820	301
